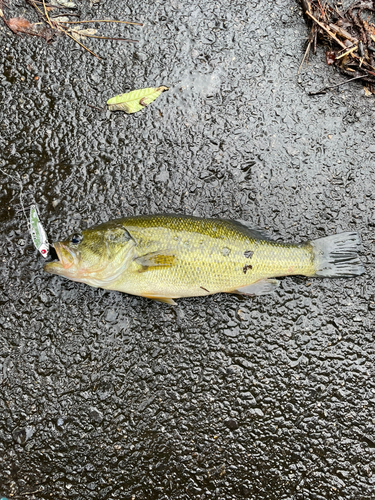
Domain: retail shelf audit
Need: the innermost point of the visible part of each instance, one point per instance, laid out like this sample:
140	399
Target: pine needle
103	21
79	43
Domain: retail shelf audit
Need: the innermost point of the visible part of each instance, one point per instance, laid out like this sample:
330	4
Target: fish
165	257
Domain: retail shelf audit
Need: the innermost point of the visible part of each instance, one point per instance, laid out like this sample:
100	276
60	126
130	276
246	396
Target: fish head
95	256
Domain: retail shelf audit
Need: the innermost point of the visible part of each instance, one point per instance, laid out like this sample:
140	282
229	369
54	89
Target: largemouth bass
164	257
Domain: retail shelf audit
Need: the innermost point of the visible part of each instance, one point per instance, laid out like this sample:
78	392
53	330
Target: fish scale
171	256
210	255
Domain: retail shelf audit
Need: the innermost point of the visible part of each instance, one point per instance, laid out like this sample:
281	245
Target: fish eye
76	238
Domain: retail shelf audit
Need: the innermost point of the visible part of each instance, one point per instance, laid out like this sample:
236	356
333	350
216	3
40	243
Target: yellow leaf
134	101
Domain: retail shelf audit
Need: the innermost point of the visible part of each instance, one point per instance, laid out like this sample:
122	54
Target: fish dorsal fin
160	258
165	300
256	232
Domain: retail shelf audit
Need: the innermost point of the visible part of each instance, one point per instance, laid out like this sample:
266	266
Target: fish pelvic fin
336	256
166	300
261	287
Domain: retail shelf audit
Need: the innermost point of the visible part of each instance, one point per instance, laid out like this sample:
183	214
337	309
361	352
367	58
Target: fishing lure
38	233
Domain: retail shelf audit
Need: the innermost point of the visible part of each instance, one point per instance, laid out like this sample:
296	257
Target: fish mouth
65	260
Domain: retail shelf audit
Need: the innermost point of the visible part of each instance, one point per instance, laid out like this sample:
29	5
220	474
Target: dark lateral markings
205	289
245	268
248	254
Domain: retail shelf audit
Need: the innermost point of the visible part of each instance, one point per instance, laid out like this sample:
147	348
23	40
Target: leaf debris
134	101
49	27
350	33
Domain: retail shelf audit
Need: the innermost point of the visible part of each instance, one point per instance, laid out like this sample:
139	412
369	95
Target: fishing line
35	227
18	181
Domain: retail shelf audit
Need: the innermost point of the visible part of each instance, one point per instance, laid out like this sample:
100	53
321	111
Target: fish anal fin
166	300
155	259
261	287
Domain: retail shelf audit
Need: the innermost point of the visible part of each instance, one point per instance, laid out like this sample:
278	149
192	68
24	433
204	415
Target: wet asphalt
109	396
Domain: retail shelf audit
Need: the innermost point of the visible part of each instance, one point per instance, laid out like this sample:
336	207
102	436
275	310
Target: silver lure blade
38	233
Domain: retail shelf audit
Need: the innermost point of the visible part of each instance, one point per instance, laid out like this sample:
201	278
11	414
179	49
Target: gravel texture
109	396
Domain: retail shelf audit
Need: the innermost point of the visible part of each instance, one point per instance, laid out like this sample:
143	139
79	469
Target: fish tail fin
336	256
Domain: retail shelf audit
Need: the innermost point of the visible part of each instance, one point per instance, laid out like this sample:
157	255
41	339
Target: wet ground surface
109	396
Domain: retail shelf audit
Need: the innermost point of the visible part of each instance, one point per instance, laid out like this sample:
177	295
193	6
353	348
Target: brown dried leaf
21	25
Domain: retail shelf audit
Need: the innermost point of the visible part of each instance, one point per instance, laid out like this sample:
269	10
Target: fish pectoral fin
261	287
166	300
155	259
